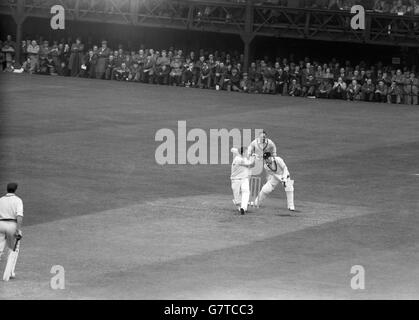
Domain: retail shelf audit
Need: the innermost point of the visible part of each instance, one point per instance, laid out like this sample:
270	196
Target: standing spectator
394	93
149	69
204	80
218	76
110	66
55	56
197	70
411	89
8	51
102	58
65	53
24	51
76	58
399	78
33	54
43	58
89	65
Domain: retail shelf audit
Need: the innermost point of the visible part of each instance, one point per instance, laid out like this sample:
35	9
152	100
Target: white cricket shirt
11	206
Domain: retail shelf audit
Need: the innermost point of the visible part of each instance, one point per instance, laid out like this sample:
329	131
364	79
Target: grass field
124	227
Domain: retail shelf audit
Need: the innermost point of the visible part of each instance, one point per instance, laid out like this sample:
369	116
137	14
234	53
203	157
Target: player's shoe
236	205
13	275
291	208
242	211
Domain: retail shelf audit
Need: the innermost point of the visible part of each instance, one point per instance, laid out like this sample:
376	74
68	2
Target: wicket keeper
261	145
11	219
240	173
277	172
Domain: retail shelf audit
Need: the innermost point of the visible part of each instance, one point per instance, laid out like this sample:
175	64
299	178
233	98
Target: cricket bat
11	261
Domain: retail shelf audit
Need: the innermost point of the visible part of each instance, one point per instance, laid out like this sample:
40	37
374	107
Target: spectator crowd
216	70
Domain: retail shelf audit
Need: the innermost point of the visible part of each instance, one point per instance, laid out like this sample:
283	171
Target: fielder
11	219
240	172
277	172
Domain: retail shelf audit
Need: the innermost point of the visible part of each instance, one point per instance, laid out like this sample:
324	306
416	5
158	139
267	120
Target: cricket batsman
240	172
277	172
11	219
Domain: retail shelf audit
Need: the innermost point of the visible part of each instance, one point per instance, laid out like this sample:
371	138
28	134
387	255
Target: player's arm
251	148
273	147
247	162
283	166
19	218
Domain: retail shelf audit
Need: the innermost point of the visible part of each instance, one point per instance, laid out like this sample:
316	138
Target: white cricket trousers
241	192
7	235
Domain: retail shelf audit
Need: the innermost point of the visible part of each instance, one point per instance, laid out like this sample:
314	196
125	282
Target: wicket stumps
255	186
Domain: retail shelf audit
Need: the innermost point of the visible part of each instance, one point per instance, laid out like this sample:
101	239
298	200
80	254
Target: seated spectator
399	78
134	72
122	72
294	88
282	81
310	87
218	76
380	93
26	66
411	89
339	89
354	91
268	80
324	89
175	75
235	80
245	84
394	93
257	86
367	90
162	74
187	75
328	75
149	70
204	80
